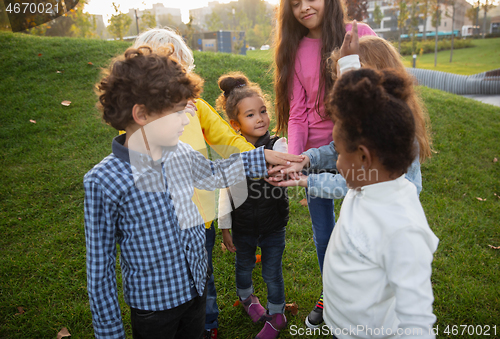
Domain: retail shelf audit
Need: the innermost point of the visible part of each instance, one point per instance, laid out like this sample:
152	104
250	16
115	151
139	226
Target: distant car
251	48
264	47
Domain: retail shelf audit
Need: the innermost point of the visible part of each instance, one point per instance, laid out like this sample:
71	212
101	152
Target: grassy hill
42	247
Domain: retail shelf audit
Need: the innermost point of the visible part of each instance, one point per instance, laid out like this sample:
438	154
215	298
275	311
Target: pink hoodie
306	129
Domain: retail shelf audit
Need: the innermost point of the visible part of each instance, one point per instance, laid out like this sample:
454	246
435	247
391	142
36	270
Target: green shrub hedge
427	46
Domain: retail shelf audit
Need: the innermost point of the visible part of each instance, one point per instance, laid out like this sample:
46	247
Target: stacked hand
289	174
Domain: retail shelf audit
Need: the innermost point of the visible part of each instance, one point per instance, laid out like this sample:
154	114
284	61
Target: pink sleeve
363	29
298	125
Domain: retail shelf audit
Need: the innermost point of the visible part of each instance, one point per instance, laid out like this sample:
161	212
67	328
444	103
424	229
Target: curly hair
371	108
139	76
236	87
378	53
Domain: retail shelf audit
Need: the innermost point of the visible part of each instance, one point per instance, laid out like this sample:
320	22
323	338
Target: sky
105	7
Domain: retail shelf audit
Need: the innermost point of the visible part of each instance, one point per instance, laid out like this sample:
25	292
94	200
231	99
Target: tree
402	18
413	25
436	21
190	31
167	20
214	22
357	9
472	16
4	18
424	11
377	15
84	25
486	8
453	4
147	20
119	23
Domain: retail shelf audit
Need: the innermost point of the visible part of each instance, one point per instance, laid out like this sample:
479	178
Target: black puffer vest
266	209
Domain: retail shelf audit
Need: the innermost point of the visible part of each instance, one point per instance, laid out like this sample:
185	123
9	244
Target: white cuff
224	209
348	63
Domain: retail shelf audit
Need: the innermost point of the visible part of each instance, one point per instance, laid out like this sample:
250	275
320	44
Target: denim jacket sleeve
334	186
326	186
414	175
324	157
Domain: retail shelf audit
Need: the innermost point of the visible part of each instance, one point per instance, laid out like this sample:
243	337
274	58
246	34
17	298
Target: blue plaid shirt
162	255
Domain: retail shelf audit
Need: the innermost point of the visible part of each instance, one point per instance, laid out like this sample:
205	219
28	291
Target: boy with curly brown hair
139	197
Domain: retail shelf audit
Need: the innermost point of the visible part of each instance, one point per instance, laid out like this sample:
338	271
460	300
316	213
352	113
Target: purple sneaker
253	308
274	324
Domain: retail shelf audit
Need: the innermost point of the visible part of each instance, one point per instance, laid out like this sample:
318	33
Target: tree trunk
477	21
399	41
452	31
484	22
426	11
437	28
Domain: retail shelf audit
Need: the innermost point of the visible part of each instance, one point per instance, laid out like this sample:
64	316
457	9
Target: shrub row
427	46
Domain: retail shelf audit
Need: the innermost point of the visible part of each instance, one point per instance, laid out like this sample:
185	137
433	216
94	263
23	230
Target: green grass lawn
484	56
42	248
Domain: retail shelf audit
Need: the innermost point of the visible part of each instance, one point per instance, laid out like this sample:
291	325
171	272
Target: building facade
388	27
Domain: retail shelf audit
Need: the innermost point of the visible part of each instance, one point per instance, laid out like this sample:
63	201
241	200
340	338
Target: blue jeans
212	309
272	247
323	220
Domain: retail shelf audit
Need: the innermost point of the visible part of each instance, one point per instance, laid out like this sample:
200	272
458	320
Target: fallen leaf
293	308
90	63
303	202
480	199
236	303
257	258
66	103
223	247
495	160
33	121
495	247
39	54
20	309
63	333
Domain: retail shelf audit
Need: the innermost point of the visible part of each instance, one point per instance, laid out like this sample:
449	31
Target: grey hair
160	37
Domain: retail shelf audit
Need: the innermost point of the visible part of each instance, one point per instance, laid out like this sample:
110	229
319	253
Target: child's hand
297	180
228	240
278	158
351	41
191	108
294	167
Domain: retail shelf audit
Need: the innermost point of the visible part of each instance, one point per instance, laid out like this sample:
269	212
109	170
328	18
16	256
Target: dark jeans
272	247
181	322
212	309
323	220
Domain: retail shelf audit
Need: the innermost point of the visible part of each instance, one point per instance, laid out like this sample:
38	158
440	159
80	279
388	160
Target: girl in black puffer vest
261	219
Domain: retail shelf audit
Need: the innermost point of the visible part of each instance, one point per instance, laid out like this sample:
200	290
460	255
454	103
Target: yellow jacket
207	125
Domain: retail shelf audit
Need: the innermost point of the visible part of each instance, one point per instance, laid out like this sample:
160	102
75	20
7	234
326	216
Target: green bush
427	46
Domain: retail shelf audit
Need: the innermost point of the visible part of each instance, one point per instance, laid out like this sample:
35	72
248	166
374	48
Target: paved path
487	99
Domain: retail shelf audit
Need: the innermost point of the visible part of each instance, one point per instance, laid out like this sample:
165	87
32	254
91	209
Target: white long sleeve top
377	269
